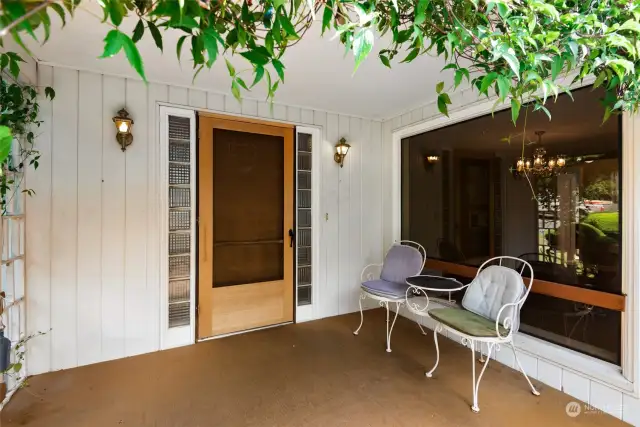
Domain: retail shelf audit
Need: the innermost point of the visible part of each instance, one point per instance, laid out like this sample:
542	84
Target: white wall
92	227
588	380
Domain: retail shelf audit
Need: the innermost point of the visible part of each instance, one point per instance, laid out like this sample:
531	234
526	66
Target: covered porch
310	374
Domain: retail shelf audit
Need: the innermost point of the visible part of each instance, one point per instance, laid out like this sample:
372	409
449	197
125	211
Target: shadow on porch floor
311	374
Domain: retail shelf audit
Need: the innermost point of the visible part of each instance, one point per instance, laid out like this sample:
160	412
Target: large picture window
549	193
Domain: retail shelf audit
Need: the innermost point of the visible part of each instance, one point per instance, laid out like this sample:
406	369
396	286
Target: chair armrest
372	272
509	322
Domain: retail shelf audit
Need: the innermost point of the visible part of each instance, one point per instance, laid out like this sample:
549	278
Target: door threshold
244	331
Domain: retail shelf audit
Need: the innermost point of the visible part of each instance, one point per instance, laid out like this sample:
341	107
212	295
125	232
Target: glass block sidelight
179	314
303	218
179	220
179	174
179	243
180	224
179	151
304	295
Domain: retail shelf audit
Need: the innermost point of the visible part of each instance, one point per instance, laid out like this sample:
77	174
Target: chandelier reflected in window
540	164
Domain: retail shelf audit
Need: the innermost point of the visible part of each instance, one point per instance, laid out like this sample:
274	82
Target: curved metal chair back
403	259
416	245
521	266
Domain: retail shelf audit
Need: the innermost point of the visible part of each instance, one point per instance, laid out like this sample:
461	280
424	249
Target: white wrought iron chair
403	259
490	314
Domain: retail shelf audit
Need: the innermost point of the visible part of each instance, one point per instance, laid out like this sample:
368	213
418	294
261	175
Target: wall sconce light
432	159
123	126
342	148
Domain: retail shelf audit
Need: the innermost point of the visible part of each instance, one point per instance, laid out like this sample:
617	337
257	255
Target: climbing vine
18	126
518	50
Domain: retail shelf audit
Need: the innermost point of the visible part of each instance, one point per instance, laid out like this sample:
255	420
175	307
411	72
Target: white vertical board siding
138	338
64	220
38	237
90	123
93	231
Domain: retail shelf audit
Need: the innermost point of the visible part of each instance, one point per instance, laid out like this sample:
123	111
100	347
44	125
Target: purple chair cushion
386	289
402	261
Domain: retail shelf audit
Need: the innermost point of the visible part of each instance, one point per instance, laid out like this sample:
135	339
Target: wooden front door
245	211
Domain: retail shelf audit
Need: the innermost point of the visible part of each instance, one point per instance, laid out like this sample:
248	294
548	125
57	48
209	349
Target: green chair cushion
467	322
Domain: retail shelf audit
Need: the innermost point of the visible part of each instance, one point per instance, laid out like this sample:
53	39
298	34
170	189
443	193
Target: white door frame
176	337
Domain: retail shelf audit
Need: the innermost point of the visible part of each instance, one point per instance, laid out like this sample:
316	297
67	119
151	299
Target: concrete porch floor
311	374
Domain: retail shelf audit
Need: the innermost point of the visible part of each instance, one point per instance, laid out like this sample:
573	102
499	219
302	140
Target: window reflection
473	203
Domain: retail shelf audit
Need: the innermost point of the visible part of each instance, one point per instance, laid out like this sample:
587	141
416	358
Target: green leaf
504	86
279	68
116	12
49	93
385	60
231	68
211	45
235	90
259	71
439	87
179	46
5	143
443	101
14	68
515	110
600	79
539	107
487	81
513	63
630	25
362	45
133	55
138	31
255	57
155	33
412	55
60	11
326	17
17	366
420	12
556	66
242	83
112	44
288	26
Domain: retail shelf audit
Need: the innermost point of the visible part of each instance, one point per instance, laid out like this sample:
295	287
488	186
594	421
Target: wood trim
247	120
288	223
543	287
205	229
3	391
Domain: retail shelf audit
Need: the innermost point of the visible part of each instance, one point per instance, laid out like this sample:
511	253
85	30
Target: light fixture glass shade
433	159
561	162
123	126
342	148
520	165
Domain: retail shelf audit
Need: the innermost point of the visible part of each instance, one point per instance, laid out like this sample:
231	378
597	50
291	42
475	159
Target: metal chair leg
362	296
389	330
420	326
476	382
515	355
436	330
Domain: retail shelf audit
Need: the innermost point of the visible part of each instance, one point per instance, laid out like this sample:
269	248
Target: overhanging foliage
518	50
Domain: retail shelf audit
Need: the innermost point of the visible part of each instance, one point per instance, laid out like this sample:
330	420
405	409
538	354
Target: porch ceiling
311	374
318	75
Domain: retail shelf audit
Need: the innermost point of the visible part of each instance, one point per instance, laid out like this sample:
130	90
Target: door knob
291	238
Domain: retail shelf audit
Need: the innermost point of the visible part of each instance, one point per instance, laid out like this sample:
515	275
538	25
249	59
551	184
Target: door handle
291	238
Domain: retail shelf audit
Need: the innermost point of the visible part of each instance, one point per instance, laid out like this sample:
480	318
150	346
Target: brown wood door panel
245	270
